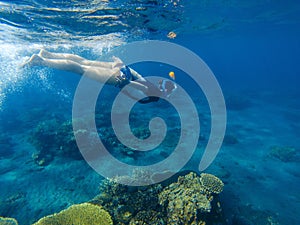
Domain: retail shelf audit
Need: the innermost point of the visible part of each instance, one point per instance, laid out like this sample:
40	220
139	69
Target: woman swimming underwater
112	73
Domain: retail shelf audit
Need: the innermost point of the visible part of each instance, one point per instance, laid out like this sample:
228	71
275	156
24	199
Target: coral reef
54	137
8	221
51	138
284	154
125	202
147	217
80	214
187	200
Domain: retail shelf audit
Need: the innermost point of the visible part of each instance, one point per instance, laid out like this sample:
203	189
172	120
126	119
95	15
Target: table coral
80	214
8	221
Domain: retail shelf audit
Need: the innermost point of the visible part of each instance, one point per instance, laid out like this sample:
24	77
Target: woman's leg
61	64
100	74
78	59
51	55
139	86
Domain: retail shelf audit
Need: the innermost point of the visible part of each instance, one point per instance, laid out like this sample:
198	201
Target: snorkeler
113	73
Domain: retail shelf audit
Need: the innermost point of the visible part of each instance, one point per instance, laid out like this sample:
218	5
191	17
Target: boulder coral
79	214
211	183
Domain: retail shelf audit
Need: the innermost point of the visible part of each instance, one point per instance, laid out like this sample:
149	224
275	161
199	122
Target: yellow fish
172	75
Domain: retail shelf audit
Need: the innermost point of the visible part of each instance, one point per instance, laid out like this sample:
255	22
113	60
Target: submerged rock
238	103
230	139
284	154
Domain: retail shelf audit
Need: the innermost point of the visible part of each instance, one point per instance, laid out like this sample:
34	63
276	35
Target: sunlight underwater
44	179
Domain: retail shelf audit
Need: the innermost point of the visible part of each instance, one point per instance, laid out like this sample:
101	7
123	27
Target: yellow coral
8	221
211	183
80	214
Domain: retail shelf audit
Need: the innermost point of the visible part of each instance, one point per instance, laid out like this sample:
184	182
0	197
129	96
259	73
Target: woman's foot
117	62
45	54
35	60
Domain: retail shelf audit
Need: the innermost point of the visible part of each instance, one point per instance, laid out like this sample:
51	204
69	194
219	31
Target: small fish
172	35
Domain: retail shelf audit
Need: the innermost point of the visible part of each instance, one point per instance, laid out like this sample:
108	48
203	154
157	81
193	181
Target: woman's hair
169	86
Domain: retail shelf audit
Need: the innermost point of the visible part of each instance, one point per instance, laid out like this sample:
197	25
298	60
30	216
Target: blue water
252	47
